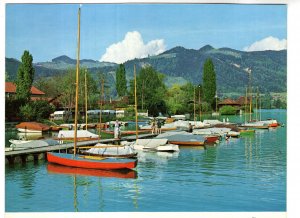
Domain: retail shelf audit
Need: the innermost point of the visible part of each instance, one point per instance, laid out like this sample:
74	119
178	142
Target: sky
119	32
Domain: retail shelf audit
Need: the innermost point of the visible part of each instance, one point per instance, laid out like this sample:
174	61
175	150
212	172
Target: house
10	91
229	102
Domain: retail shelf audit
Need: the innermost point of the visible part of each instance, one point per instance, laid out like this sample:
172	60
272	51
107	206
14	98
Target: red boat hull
211	139
79	161
273	125
187	143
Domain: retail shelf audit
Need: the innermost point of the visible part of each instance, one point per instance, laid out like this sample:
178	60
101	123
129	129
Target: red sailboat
86	161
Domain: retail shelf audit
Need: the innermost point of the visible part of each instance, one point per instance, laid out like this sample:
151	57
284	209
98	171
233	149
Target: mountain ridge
180	65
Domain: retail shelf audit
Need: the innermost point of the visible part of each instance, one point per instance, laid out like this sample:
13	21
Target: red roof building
228	102
10	89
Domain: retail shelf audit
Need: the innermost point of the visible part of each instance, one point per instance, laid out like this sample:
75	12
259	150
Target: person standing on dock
117	130
158	127
190	128
153	126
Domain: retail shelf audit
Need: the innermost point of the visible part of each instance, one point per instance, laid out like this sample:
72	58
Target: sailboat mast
250	92
86	105
199	105
101	100
135	104
246	102
256	105
194	106
77	83
259	105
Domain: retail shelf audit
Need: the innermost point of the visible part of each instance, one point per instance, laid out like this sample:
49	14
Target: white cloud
132	46
269	43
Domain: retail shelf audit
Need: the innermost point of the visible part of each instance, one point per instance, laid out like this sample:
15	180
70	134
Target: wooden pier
35	154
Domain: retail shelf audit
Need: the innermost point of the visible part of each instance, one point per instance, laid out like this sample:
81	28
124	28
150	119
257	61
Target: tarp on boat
180	136
151	143
80	134
211	131
33	126
111	150
35	144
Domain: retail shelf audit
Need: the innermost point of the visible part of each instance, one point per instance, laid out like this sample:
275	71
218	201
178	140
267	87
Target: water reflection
75	202
81	178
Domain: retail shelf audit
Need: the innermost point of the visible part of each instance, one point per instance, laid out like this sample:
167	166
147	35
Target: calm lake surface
243	174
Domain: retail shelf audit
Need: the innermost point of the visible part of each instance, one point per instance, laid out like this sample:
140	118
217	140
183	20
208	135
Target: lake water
243	174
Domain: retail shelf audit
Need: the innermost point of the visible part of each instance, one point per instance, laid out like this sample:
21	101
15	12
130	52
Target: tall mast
194	106
86	105
135	105
101	100
143	95
259	104
256	105
199	105
77	83
246	102
250	92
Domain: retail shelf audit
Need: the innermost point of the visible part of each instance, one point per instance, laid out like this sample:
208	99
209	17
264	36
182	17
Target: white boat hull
29	130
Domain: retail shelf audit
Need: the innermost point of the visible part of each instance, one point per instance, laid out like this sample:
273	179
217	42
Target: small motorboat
161	145
32	127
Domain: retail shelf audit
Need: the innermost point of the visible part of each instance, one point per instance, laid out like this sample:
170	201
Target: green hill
269	68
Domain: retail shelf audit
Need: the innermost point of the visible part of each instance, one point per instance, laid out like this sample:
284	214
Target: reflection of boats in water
59	169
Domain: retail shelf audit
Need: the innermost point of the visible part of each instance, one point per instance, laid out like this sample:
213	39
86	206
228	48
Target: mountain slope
269	68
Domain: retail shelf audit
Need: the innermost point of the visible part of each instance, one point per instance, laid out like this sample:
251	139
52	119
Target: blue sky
50	30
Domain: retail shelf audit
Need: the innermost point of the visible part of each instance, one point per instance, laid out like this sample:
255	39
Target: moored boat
129	132
255	125
233	134
211	139
17	144
152	145
86	161
90	162
32	127
182	138
82	135
105	150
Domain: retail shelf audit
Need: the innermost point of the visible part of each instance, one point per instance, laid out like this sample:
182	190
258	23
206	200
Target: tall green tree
150	88
121	83
25	78
209	82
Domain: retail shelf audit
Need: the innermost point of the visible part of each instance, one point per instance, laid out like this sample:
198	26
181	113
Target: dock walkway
34	154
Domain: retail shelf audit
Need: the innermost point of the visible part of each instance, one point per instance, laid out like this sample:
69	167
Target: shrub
228	110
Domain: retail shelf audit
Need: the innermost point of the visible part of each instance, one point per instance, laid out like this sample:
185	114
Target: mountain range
269	68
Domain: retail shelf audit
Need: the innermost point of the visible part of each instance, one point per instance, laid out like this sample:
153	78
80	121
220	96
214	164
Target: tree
121	84
36	110
154	90
66	88
209	82
25	78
